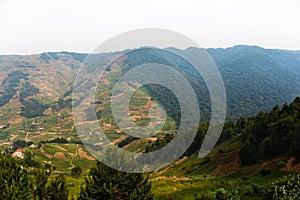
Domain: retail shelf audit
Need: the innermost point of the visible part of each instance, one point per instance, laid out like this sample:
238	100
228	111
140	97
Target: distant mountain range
255	79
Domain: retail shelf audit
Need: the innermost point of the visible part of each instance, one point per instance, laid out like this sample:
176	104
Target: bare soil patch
61	148
15	120
59	155
45	153
228	163
83	154
292	165
171	178
175	163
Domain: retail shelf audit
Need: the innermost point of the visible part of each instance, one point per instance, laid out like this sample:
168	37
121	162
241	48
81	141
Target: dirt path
26	137
76	154
175	163
13	137
123	137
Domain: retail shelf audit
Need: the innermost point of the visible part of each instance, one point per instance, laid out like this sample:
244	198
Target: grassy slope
195	177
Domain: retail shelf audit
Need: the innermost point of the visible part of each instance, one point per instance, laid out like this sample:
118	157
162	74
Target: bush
265	172
287	187
111	184
222	194
209	196
76	172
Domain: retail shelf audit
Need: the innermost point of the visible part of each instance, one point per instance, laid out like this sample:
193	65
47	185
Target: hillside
36	108
255	79
226	168
251	154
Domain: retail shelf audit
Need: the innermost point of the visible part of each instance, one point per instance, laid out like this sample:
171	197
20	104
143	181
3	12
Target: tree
19	144
270	134
29	161
40	181
56	189
109	184
15	182
76	172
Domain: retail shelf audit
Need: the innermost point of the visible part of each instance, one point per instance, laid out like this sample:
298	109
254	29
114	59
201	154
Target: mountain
255	78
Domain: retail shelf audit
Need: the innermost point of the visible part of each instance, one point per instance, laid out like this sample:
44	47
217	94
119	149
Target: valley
259	143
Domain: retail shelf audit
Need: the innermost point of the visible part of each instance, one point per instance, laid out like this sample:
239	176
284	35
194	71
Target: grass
203	184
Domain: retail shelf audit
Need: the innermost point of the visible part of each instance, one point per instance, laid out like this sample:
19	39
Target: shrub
265	172
287	187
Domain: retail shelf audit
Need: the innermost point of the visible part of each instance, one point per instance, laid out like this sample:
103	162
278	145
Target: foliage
159	143
76	172
45	190
106	183
287	187
15	182
10	83
269	134
41	178
222	194
251	77
265	172
19	144
60	140
32	108
58	189
29	161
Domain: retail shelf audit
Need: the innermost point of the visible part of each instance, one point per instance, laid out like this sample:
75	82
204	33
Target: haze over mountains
255	79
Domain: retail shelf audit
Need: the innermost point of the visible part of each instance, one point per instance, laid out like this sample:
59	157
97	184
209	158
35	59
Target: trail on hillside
26	137
75	155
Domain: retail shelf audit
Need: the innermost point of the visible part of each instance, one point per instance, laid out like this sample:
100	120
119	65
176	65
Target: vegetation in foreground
265	177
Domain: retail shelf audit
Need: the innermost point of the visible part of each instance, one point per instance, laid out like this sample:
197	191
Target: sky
36	26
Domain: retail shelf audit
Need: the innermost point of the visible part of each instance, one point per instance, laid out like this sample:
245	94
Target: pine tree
58	189
40	180
14	180
109	184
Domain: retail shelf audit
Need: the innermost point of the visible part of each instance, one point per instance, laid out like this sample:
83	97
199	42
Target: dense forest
264	136
269	134
255	79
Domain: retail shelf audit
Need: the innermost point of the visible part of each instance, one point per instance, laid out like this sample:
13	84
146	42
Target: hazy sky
35	26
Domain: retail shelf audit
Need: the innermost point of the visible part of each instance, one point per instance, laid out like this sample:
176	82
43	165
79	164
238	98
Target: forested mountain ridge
255	78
